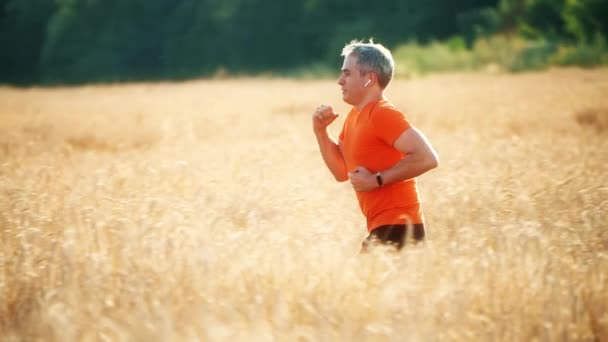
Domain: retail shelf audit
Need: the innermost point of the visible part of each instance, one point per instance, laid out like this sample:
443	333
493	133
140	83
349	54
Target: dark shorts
393	235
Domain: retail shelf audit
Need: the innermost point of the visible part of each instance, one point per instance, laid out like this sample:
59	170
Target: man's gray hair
372	57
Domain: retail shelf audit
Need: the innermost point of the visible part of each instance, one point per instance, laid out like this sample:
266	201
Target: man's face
352	82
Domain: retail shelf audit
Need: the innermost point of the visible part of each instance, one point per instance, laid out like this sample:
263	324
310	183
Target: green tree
585	19
97	40
191	40
105	40
543	18
23	26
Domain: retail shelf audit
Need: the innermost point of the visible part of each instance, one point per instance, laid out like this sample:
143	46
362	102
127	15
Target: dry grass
202	211
594	117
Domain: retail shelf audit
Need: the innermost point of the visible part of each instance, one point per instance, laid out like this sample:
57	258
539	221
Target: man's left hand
362	180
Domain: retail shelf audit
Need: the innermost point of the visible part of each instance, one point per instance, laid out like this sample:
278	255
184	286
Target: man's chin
346	99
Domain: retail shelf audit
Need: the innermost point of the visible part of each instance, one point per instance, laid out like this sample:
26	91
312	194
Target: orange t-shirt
367	140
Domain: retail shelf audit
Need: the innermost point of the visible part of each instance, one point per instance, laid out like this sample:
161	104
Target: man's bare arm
332	156
330	150
419	157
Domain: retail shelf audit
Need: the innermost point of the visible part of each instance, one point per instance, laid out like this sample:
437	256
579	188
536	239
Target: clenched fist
323	117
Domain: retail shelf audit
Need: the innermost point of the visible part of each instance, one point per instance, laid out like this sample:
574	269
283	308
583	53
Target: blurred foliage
73	41
22	34
497	53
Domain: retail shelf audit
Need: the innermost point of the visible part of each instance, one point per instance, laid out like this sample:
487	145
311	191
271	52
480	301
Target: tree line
73	41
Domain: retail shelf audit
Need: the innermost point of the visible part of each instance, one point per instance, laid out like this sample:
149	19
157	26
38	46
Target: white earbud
367	83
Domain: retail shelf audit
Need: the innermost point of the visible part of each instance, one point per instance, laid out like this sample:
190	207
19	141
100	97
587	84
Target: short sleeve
389	123
343	131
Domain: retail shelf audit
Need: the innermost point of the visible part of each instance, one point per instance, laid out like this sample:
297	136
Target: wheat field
202	210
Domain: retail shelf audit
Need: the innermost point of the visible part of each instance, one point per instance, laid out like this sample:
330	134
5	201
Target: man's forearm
332	156
409	167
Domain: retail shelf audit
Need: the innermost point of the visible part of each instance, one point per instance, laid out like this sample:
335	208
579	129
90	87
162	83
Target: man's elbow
433	162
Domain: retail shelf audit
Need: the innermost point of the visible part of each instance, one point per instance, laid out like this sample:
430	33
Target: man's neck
371	97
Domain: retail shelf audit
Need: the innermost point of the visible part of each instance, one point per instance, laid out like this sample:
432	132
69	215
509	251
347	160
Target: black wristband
379	178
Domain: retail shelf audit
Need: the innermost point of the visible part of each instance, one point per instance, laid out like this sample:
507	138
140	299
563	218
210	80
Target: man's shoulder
386	109
388	106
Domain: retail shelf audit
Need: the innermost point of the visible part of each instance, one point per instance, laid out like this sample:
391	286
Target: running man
378	150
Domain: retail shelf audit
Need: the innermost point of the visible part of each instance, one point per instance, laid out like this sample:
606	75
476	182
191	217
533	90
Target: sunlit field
203	211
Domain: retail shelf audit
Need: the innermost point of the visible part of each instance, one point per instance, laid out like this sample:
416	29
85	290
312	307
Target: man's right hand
323	117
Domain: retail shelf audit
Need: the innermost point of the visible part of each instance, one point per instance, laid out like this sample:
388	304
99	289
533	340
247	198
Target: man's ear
372	78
